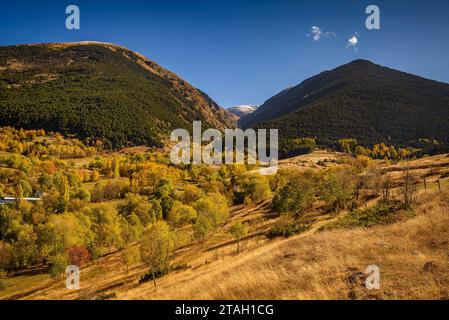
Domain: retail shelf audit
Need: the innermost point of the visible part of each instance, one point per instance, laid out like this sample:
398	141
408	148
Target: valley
326	259
87	179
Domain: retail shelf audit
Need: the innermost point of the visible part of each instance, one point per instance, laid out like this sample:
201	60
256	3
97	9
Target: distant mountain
99	90
358	100
242	110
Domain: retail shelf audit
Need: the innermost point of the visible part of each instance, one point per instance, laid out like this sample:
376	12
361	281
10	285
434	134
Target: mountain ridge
360	100
64	86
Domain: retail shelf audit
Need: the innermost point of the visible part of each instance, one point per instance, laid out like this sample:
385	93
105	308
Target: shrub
286	230
153	275
149	276
384	212
58	265
78	256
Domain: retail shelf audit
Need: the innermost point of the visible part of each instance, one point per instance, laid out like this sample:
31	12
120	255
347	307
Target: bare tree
386	185
410	188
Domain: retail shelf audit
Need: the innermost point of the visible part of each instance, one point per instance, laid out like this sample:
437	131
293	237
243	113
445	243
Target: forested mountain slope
99	91
359	100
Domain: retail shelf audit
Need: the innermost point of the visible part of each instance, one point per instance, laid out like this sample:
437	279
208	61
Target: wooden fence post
425	184
439	185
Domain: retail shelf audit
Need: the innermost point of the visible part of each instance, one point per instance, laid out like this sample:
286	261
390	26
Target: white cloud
353	41
316	33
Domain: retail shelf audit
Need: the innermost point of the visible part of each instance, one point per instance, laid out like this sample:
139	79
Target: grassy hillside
223	232
98	91
411	254
360	100
328	265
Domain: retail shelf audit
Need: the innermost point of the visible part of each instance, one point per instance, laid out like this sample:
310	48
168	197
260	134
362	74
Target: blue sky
243	52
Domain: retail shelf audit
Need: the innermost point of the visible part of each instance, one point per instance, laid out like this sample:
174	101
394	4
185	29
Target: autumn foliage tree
239	231
78	256
157	248
297	194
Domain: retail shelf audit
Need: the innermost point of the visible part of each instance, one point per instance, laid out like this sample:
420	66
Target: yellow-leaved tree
157	248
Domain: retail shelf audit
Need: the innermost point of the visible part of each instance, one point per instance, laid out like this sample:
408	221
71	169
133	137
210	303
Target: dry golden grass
413	257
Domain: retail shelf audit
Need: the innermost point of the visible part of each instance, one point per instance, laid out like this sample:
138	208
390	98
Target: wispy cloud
316	33
353	42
